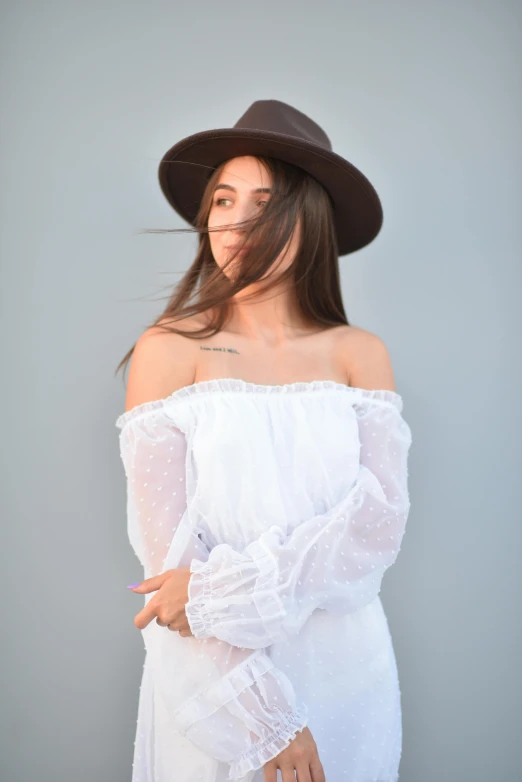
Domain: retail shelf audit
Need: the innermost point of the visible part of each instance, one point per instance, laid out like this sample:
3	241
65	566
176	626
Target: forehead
245	170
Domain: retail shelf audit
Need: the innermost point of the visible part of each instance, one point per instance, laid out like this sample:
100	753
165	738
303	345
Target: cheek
213	218
214	236
217	217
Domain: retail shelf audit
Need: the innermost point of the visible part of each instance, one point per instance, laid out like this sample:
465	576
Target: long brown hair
314	271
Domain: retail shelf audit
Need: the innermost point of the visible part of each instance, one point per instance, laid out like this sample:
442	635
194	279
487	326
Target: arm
232	703
335	560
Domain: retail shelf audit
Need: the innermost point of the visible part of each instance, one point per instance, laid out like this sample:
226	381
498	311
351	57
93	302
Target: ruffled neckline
229	384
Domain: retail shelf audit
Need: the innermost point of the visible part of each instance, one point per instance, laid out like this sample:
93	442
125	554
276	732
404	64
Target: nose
240	213
236	216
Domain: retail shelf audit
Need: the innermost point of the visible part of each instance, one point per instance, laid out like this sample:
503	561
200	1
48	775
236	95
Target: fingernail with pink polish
131	586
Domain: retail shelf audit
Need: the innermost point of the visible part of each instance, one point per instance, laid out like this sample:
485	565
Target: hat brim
357	209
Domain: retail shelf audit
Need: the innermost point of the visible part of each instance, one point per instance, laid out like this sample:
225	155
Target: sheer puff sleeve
334	561
231	702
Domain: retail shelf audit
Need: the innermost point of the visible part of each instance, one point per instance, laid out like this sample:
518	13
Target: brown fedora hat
275	129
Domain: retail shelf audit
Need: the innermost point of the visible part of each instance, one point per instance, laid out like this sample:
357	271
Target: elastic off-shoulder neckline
230	384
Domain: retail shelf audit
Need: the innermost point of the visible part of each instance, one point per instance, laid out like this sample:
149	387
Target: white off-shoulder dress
288	502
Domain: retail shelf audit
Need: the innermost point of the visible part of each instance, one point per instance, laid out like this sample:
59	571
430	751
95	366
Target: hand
169	604
301	755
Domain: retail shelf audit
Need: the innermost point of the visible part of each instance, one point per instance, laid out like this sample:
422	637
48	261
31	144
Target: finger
172	624
288	772
146	615
150	584
303	772
270	771
317	771
180	626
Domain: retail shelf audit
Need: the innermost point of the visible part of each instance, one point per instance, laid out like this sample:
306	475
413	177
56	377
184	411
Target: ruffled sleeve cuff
270	747
200	594
245	718
234	595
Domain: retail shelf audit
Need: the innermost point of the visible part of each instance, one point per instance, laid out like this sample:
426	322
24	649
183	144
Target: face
242	192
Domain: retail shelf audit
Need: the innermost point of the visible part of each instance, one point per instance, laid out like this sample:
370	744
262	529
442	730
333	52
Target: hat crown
274	116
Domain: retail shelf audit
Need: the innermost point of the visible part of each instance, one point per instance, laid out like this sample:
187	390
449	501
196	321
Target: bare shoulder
368	360
161	363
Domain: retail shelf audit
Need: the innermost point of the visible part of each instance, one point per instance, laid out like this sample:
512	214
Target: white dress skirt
288	503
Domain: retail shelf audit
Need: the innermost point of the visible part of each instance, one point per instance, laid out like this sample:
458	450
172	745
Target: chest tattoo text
225	350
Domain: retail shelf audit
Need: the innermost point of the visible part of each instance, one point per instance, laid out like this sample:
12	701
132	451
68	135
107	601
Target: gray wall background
425	97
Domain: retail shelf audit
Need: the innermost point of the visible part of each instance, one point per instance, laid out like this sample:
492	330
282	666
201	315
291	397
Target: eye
218	200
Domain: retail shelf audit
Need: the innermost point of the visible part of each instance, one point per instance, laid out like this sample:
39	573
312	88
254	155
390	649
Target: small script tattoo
225	350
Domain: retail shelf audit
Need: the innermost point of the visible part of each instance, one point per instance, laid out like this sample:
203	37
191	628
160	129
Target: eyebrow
229	187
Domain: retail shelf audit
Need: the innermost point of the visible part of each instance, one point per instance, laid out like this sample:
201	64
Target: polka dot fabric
288	503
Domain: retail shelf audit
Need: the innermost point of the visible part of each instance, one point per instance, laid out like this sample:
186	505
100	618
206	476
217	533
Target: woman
266	463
